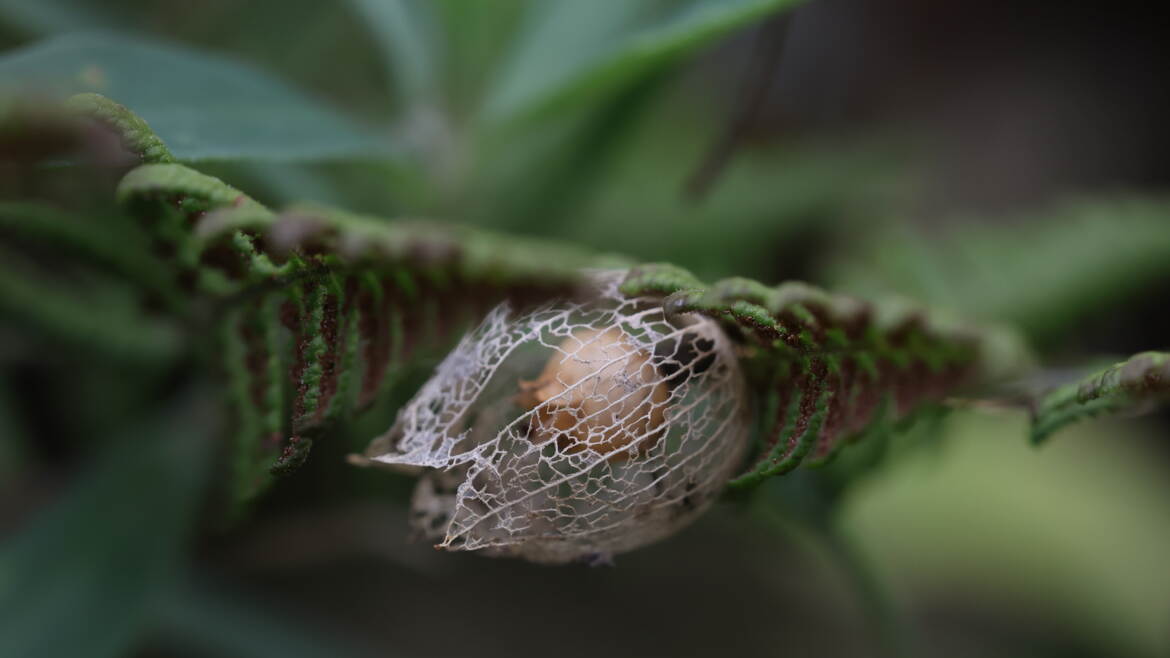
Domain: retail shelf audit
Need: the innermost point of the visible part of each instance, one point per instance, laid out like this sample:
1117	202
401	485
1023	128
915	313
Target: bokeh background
1005	161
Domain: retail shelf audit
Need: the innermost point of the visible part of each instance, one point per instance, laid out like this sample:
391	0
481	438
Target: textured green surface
1133	386
320	301
829	369
137	137
322	306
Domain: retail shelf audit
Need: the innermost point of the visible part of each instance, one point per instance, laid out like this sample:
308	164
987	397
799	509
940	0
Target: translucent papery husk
573	431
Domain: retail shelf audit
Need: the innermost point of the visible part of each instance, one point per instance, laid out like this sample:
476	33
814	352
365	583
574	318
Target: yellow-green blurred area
1000	163
1071	535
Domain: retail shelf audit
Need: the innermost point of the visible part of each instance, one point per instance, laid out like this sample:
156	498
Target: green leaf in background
45	16
409	40
14	439
97	318
1042	271
406	32
1071	538
81	578
758	214
210	619
111	242
92	299
477	36
204	106
1133	386
569	51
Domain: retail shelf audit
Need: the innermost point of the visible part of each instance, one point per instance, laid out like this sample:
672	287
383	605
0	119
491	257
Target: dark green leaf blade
406	33
81	579
204	106
570	51
46	16
222	621
1078	258
99	319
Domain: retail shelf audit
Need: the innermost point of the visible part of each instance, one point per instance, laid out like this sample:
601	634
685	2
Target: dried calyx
573	431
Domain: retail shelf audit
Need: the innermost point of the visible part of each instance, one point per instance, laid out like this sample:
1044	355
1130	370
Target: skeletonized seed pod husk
573	431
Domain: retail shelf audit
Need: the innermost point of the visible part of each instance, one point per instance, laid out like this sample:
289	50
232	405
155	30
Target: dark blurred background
1005	161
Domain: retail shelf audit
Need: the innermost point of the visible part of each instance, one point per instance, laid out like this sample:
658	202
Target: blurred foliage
1063	539
1043	274
577	125
102	555
204	107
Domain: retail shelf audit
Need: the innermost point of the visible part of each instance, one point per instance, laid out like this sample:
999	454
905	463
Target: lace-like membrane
574	431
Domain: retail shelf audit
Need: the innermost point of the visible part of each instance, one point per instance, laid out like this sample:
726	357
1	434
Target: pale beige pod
573	431
584	407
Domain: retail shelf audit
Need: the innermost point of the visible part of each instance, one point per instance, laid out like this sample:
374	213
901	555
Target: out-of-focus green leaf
407	33
556	166
1072	537
570	51
576	32
81	579
211	620
99	318
745	224
13	438
1039	272
614	175
44	16
204	106
405	30
477	37
110	242
1133	386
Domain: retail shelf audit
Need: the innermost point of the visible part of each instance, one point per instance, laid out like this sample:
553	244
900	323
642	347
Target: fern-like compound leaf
315	309
134	133
320	305
1134	386
829	368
